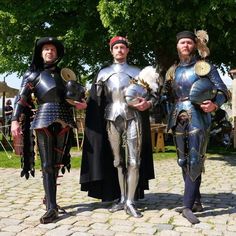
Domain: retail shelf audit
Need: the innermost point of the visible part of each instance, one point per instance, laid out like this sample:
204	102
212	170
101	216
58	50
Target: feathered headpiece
202	40
149	78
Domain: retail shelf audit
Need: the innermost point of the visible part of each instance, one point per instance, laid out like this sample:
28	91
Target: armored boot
118	206
49	217
132	210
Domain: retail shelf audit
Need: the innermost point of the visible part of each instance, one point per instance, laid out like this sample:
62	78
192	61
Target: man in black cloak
117	152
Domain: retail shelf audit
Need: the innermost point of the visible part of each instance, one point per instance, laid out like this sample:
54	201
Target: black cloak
98	175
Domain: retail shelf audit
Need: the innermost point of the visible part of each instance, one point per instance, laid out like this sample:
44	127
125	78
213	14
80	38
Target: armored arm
222	94
22	98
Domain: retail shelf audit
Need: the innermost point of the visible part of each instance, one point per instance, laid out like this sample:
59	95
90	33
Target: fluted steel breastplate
184	78
115	93
116	81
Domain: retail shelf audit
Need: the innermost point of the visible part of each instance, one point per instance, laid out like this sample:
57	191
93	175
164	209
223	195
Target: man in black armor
54	118
196	89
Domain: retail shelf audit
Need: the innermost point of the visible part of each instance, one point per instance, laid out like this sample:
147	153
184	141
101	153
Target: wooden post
233	73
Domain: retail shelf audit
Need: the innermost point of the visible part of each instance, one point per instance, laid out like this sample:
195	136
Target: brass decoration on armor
171	73
67	74
202	68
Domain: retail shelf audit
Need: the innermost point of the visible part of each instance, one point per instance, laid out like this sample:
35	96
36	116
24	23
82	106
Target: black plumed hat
37	60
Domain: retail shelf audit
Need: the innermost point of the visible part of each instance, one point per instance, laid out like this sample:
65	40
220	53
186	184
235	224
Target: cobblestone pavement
21	205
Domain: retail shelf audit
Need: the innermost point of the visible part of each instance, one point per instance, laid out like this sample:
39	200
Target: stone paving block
144	230
212	233
168	233
232	227
121	222
82	234
13	228
32	232
99	226
79	229
101	232
9	221
58	231
127	234
228	233
7	234
189	230
122	228
161	227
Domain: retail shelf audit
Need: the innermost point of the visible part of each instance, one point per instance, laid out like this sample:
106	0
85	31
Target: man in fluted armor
53	119
117	136
196	89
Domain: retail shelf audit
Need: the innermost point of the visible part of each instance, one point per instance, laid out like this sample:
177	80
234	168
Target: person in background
195	88
8	115
53	119
117	152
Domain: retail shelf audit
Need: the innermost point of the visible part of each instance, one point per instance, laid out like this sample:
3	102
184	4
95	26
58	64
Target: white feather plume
149	76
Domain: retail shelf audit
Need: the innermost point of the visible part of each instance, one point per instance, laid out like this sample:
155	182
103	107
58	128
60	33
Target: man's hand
16	129
208	106
143	104
80	105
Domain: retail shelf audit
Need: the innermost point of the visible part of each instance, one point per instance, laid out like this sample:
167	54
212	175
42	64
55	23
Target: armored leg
133	144
115	138
197	142
180	139
46	145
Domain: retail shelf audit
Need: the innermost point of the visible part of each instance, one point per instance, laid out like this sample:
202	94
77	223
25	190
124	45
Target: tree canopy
86	26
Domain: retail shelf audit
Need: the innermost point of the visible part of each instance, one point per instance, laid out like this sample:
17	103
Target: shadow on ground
214	204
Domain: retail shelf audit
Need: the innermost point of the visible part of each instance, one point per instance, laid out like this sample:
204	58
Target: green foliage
152	26
86	26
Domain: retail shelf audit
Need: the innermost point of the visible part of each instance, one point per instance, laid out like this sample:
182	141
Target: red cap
118	39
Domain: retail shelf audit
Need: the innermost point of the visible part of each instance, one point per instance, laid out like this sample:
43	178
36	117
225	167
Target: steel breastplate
116	78
184	78
115	88
49	88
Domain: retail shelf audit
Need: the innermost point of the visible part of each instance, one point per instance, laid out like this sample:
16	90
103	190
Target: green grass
170	153
14	161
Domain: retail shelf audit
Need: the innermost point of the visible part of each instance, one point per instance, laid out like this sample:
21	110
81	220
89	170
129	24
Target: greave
45	145
132	182
133	152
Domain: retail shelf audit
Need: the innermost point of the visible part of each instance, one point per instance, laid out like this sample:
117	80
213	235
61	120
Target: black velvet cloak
98	175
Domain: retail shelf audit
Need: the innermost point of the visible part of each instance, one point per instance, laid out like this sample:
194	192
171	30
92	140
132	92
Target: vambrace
220	98
219	84
25	91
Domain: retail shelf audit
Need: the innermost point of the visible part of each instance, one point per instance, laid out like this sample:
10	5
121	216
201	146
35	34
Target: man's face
119	52
49	53
185	47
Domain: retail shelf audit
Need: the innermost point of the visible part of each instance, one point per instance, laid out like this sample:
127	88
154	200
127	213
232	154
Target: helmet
202	90
74	92
134	91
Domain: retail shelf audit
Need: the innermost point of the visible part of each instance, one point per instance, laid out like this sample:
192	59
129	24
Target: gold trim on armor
202	68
